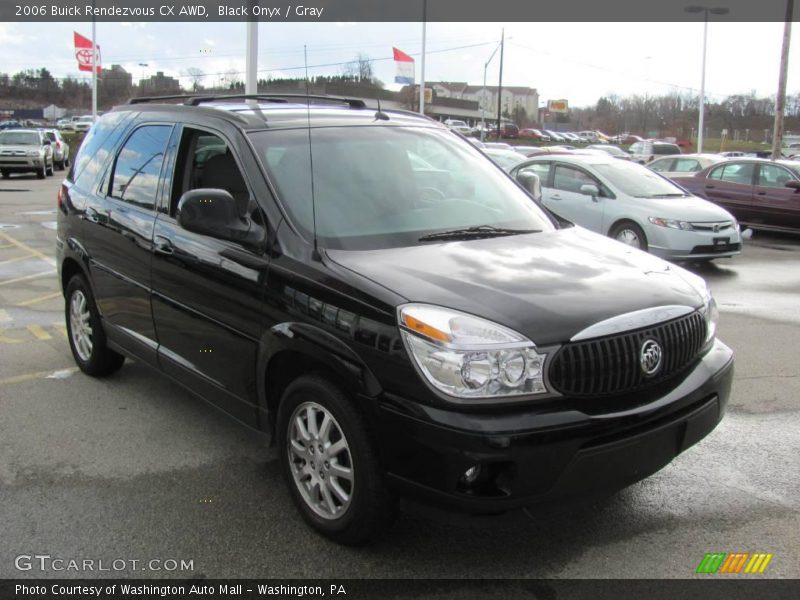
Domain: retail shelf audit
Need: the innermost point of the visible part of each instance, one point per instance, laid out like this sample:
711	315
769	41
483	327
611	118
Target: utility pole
94	66
422	62
500	83
780	100
251	58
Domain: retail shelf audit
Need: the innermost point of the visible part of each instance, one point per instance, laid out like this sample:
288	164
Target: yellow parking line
39	332
39	299
26	277
15	259
31	376
24	246
4	339
60	328
4	246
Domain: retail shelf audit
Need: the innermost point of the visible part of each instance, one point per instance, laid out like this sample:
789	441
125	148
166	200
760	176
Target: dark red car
762	193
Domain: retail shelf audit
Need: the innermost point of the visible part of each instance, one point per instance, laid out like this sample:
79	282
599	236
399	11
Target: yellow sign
557	106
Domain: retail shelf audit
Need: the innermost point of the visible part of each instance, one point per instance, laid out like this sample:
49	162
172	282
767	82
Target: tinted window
686	165
138	166
741	173
666	149
773	176
571	180
96	148
662	166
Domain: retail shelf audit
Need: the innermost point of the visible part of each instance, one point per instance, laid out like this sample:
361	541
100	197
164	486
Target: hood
688	209
547	286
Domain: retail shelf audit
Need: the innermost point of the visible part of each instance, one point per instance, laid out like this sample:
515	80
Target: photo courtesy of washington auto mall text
420	299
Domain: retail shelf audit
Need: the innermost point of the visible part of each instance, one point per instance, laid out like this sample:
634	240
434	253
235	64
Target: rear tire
630	234
329	462
41	173
87	340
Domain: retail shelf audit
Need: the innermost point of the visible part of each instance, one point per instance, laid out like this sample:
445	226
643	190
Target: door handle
163	245
709	187
92	215
761	193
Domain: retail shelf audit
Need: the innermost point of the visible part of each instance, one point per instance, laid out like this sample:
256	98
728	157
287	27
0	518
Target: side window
205	161
542	169
686	165
662	166
716	173
741	173
636	148
571	180
773	176
96	148
138	166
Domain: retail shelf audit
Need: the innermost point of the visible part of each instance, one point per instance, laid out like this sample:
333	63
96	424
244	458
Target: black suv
396	311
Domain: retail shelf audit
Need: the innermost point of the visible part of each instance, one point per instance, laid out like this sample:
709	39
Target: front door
566	199
731	186
774	204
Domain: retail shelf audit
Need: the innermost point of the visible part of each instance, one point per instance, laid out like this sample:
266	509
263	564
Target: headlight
711	314
671	223
34	152
469	357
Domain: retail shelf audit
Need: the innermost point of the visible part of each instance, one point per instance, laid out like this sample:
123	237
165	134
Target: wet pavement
134	467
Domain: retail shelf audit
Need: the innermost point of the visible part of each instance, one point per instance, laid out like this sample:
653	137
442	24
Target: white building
486	97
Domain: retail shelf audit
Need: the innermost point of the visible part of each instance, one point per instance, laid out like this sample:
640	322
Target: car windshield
19	138
638	181
384	187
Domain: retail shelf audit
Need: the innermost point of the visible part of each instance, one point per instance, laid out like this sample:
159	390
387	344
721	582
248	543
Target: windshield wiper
479	231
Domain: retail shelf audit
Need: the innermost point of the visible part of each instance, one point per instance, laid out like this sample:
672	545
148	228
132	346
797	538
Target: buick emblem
650	357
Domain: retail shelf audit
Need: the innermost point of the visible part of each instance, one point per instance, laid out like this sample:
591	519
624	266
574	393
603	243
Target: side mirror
793	184
590	189
213	212
531	182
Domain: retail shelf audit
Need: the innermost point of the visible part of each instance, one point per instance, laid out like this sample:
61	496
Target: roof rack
197	100
144	99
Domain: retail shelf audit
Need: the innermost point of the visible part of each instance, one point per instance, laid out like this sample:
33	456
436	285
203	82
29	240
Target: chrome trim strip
632	320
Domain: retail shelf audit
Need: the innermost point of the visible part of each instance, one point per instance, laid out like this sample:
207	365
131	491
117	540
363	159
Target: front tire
5	174
630	234
329	462
42	172
50	170
87	340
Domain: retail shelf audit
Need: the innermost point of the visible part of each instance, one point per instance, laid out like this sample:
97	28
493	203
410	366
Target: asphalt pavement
133	468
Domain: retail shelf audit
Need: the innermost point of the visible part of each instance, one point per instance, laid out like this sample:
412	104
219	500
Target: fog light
471	474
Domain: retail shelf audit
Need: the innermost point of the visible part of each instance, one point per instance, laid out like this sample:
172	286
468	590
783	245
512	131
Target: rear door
731	186
774	204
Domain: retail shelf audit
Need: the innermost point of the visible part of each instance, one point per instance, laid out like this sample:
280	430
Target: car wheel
50	170
6	174
60	165
630	234
329	462
42	172
87	340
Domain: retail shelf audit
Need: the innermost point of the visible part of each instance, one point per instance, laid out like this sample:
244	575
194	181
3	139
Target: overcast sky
576	61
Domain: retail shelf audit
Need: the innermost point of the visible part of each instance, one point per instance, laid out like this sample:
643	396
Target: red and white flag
83	52
405	67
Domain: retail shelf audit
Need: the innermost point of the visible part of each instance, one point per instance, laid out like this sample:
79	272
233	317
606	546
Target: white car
65	125
633	205
83	123
505	159
684	165
459	126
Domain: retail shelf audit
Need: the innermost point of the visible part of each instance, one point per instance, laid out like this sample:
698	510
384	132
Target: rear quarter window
97	147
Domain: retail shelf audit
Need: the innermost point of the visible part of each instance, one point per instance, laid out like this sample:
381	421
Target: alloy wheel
80	326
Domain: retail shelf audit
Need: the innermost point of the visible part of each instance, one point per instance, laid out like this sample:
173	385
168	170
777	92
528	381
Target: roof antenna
315	255
380	115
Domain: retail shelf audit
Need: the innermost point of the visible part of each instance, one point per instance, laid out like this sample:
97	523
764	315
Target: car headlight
468	357
711	314
34	152
671	223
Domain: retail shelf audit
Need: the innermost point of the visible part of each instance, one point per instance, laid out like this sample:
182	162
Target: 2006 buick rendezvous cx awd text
370	289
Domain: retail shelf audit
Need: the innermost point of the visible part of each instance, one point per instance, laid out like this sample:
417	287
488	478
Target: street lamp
706	11
143	65
483	98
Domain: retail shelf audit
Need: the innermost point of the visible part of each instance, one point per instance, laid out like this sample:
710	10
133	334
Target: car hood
547	286
691	208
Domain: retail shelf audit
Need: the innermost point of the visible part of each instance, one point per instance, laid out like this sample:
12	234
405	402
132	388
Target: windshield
385	187
19	138
637	181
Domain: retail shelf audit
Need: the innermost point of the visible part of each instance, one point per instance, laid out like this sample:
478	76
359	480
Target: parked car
534	134
25	151
459	126
732	154
65	125
555	136
644	152
611	150
459	345
571	137
505	159
633	205
82	124
498	145
10	125
60	148
508	131
761	193
685	164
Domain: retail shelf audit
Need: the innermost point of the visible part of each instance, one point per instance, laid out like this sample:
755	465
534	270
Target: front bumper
676	244
530	456
21	164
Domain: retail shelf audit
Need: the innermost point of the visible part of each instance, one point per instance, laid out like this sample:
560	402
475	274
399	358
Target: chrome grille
714	226
610	365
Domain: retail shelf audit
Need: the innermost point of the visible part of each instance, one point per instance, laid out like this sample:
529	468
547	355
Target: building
160	84
486	97
117	76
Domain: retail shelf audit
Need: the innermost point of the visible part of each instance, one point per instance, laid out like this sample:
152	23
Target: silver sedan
633	205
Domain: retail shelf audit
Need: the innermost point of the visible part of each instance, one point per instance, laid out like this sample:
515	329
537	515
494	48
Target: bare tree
196	76
360	68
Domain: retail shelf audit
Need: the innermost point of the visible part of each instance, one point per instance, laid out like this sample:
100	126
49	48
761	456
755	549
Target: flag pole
94	66
422	62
